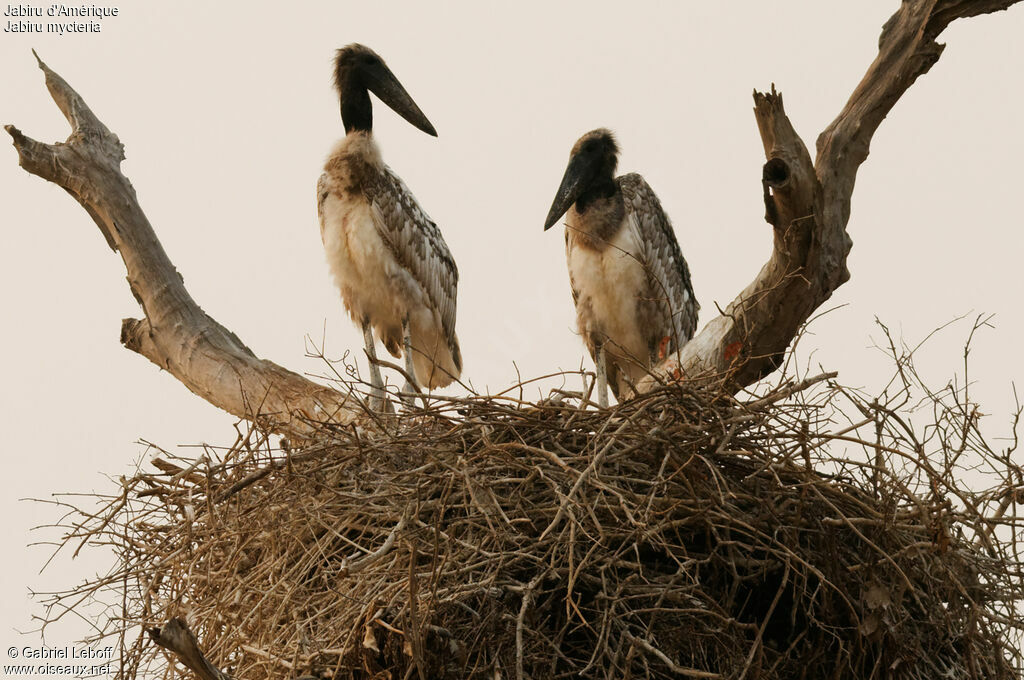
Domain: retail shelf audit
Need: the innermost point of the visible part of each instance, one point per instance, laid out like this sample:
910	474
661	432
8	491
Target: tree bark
806	202
176	334
177	639
808	205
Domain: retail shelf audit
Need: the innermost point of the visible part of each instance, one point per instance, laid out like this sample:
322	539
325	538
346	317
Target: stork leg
602	376
410	387
376	381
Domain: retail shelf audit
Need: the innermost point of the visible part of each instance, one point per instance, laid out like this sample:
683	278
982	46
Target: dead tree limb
176	334
808	204
177	639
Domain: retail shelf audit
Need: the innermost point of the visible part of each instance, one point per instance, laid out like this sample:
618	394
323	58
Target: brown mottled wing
572	282
321	196
671	294
417	244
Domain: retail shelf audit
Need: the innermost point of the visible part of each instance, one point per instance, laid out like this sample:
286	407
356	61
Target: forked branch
176	334
808	204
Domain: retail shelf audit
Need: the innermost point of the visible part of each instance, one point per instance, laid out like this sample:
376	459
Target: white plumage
630	283
599	279
633	292
389	259
396	276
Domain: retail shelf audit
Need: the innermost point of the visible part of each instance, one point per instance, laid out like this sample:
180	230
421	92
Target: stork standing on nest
630	283
397	277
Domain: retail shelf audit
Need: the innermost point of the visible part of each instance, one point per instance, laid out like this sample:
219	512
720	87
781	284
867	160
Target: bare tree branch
176	638
809	204
176	334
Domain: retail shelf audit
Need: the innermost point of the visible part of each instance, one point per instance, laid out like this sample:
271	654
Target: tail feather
437	364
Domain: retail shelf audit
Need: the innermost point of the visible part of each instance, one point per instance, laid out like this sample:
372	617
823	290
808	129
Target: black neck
602	187
356	112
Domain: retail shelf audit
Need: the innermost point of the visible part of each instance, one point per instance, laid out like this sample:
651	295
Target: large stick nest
679	534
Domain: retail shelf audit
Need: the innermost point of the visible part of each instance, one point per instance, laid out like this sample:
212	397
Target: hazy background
226	113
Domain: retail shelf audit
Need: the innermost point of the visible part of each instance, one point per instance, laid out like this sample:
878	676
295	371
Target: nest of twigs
680	534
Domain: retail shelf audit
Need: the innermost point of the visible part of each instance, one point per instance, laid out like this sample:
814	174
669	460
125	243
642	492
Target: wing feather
321	196
669	277
572	281
417	244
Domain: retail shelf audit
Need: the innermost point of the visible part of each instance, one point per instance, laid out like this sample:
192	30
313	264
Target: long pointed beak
570	189
383	83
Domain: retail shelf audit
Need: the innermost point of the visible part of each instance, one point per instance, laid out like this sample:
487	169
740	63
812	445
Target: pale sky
226	112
